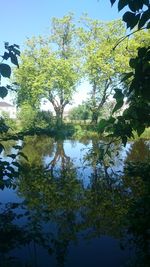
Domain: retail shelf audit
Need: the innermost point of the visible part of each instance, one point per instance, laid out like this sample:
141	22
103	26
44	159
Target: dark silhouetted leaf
14	59
131	19
144	18
118	105
16	51
5	70
5	56
3	91
132	62
112	2
118	94
122	4
135	5
17	46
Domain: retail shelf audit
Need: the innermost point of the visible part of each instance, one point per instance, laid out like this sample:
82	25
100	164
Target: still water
73	204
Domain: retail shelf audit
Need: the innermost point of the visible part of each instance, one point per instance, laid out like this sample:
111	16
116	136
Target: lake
75	203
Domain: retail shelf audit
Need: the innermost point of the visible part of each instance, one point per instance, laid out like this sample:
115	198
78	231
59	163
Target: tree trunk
94	117
59	116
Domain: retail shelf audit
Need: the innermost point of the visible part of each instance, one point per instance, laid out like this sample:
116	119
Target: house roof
4	104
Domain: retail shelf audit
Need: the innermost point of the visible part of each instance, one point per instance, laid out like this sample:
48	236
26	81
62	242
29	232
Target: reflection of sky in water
77	150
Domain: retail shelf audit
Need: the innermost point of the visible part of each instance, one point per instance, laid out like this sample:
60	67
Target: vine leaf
5	70
3	91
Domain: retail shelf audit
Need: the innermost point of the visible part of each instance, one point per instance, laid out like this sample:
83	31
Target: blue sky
20	19
24	18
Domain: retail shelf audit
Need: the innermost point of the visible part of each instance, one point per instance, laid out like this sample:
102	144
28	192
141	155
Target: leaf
118	105
5	56
144	18
124	140
14	59
17	46
3	91
5	70
102	124
23	155
131	19
118	94
127	76
6	45
16	51
1	148
122	4
112	2
132	62
136	5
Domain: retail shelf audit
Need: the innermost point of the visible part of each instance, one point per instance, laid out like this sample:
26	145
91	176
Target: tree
50	73
81	112
102	65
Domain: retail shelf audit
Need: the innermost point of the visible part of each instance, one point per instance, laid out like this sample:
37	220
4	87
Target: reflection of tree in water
60	158
36	147
136	179
53	201
139	152
106	202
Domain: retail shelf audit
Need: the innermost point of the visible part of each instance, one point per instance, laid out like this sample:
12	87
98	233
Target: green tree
101	65
81	112
31	119
104	65
50	72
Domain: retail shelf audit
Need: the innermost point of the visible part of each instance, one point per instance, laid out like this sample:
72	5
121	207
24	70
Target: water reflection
58	215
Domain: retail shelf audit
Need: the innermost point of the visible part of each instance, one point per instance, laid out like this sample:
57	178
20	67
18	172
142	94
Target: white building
8	109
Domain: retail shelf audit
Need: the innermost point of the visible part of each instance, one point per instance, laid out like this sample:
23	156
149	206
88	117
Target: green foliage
102	64
49	68
80	112
31	118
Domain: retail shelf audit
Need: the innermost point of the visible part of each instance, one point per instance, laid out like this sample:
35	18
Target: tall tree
50	72
103	65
